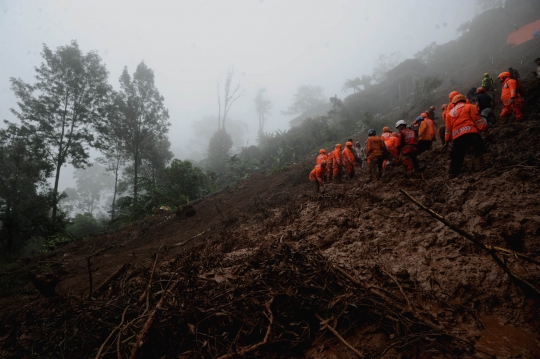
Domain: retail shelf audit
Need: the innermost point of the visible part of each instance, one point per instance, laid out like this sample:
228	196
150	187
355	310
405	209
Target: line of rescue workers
464	125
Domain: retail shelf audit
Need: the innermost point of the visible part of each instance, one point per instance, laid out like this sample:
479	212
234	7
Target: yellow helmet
486	74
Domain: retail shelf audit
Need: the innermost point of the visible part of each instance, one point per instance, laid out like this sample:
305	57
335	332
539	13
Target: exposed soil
269	269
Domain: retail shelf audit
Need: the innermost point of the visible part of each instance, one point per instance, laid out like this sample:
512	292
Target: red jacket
463	118
317	173
407	141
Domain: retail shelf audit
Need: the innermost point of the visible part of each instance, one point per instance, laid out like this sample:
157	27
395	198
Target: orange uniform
509	92
374	147
392	144
463	118
386	135
349	161
423	132
431	127
320	158
317	174
337	163
329	165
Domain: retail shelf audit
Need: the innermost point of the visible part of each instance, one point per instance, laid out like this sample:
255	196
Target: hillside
265	268
252	269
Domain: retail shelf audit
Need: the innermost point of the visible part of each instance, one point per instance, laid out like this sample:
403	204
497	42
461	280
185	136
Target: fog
190	45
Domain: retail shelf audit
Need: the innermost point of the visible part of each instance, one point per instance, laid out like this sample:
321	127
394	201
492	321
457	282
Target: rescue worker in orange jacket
316	176
510	98
407	146
430	124
424	136
463	127
392	144
386	133
442	127
329	166
349	160
321	157
337	163
375	149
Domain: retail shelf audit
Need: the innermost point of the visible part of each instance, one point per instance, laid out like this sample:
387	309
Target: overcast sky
190	44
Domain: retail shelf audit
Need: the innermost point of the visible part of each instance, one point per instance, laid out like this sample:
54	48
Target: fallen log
476	242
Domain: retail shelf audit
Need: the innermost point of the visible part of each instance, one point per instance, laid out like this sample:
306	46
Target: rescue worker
488	82
391	144
442	127
329	166
386	133
407	147
431	113
349	160
471	94
416	124
321	157
463	127
375	149
316	176
431	126
337	163
424	137
510	98
358	153
484	103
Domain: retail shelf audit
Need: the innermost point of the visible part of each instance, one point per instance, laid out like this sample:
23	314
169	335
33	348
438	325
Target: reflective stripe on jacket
463	118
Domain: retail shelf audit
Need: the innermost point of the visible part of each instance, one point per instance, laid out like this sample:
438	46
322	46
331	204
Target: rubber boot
479	163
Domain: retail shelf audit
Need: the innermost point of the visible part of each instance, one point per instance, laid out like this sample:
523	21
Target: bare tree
263	106
229	97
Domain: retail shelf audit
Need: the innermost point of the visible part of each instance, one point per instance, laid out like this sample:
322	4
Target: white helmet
400	122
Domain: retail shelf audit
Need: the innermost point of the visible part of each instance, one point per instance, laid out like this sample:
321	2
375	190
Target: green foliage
56	241
84	225
64	104
25	197
138	120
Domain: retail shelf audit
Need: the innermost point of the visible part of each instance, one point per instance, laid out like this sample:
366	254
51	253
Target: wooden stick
325	325
401	290
89	277
111	334
144	296
189	240
148	324
516	254
251	348
108	281
218	209
476	242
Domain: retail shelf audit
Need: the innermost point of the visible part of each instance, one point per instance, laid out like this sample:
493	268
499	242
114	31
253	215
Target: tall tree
24	191
353	84
306	98
64	104
263	106
91	183
229	97
142	117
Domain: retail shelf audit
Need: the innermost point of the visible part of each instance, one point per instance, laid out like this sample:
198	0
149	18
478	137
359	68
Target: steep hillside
267	269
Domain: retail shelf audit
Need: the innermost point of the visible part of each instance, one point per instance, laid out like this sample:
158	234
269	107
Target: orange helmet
443	107
458	98
504	75
338	145
480	89
322	151
386	129
451	95
349	143
424	115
